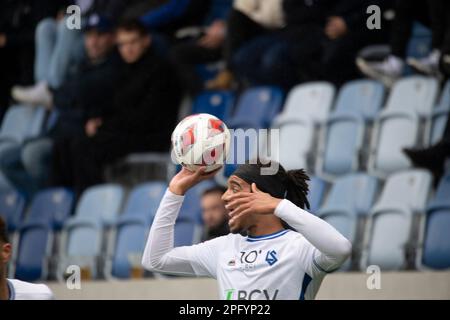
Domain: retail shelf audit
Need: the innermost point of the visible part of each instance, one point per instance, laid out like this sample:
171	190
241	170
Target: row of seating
396	228
357	131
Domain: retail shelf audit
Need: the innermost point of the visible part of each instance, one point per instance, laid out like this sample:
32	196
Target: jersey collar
267	236
12	292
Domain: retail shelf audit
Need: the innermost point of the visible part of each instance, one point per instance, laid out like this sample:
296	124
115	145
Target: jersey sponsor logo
233	294
271	257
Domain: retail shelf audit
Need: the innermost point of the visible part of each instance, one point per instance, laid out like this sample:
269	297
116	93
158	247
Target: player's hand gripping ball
201	140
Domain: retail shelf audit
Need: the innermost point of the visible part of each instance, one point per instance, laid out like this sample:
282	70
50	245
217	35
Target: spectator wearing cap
84	95
141	116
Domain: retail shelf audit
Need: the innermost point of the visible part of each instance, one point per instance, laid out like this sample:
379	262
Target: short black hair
214	189
3	231
132	25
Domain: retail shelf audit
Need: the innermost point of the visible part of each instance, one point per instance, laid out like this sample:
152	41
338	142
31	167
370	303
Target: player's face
5	255
132	45
98	44
236	185
213	210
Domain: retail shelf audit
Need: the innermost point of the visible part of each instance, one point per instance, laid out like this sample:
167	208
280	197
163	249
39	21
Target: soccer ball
201	140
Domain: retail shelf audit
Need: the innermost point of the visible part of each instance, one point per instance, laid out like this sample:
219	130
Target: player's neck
262	229
4	291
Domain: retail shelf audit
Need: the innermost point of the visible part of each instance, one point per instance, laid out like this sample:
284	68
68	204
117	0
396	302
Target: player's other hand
185	179
242	204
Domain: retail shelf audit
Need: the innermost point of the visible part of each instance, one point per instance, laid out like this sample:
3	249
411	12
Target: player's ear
5	253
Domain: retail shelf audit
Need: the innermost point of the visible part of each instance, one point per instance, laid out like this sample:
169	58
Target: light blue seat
306	108
19	124
217	103
12	205
388	231
358	102
191	210
439	117
317	191
350	198
82	239
435	253
256	108
398	125
187	233
133	226
48	211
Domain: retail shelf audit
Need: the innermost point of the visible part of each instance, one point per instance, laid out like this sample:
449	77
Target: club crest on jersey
232	263
271	257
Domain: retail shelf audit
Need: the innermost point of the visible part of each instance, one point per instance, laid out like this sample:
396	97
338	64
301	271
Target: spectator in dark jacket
18	20
141	118
86	94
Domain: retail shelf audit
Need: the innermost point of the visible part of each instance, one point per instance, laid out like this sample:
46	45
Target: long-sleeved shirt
283	265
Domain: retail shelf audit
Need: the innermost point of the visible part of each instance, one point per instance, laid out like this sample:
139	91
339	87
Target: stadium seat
388	232
435	238
398	125
317	191
307	107
358	102
186	233
48	211
82	237
133	226
310	101
350	198
217	103
12	205
191	210
19	124
439	117
256	108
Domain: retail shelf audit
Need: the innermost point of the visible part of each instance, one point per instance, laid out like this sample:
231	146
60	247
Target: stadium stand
12	205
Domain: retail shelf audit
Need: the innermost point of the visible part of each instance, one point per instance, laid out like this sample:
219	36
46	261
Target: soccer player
285	255
16	289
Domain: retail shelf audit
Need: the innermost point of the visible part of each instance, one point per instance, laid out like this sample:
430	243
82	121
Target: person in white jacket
285	253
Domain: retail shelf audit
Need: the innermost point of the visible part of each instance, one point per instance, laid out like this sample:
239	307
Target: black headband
272	184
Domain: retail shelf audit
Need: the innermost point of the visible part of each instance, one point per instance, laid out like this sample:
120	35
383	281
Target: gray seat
351	197
358	103
82	236
307	108
390	224
439	117
399	124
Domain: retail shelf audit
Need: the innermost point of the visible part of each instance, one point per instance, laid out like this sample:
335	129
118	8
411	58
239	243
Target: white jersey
283	265
20	290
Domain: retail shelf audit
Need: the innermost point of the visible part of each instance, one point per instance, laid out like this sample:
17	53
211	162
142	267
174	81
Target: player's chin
235	229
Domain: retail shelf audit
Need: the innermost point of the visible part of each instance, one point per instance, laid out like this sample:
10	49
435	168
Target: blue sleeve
165	14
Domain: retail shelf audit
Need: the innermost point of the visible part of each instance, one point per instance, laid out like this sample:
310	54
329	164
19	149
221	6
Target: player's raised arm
160	254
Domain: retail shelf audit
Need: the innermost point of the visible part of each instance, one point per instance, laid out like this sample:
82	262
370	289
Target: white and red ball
201	140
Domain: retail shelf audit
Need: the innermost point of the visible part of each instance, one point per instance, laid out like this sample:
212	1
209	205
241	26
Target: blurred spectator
214	214
59	50
142	115
434	157
167	16
432	13
248	20
18	20
205	48
85	94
